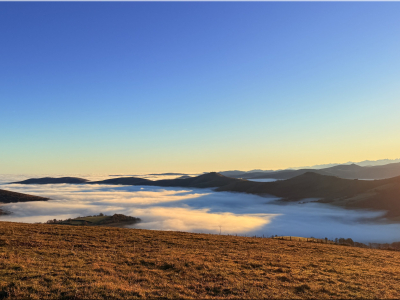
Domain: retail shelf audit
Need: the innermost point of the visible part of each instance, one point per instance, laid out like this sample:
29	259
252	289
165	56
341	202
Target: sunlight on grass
41	261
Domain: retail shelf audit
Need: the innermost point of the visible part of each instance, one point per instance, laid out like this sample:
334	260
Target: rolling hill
117	220
12	197
366	194
52	180
122	181
41	261
352	171
381	194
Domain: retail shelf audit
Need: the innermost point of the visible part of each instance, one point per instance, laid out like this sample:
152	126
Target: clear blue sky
144	87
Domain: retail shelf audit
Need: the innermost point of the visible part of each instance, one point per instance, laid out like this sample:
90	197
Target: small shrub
302	288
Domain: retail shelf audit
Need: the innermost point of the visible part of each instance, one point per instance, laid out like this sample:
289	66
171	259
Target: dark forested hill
53	180
11	197
123	181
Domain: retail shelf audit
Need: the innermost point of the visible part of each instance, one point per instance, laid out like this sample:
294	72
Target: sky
136	87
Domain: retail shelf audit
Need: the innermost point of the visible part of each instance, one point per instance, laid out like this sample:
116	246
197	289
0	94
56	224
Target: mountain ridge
383	194
351	171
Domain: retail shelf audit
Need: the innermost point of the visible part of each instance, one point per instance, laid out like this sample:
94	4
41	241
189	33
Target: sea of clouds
195	210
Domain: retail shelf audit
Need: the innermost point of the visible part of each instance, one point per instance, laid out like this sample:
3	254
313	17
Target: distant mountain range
365	163
381	194
352	171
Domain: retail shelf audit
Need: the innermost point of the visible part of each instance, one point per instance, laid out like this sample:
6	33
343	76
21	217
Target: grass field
41	261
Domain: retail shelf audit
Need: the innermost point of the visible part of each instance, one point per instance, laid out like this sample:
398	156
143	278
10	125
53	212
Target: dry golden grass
303	239
41	261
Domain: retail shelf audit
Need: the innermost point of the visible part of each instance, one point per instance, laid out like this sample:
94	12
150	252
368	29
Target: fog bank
198	210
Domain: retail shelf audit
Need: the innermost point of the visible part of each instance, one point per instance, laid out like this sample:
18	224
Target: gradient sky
190	87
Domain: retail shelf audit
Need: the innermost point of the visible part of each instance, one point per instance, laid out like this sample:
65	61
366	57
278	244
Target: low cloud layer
198	210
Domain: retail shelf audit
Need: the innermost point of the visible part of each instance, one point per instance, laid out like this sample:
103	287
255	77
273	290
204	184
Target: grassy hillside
42	261
98	220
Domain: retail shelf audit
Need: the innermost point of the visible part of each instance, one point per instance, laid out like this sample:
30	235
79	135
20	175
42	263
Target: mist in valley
197	210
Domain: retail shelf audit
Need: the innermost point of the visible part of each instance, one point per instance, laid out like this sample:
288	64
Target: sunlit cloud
185	219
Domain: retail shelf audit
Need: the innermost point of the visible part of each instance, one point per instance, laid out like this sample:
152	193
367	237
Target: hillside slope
366	194
352	171
308	185
71	262
12	197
